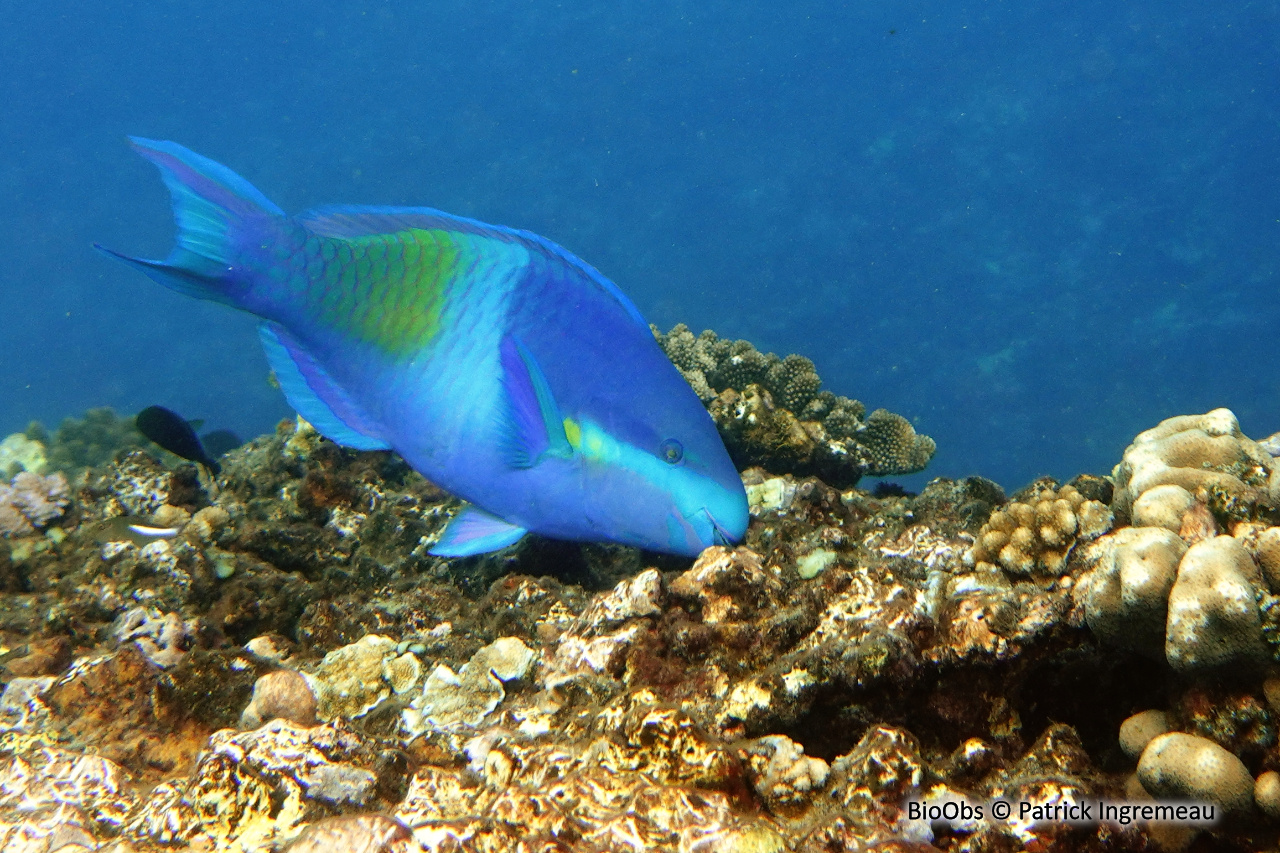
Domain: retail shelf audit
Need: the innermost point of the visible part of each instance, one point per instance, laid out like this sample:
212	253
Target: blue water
1033	230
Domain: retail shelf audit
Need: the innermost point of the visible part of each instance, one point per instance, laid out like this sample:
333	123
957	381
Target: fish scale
498	364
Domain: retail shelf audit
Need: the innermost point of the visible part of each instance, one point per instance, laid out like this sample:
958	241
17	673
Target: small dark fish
131	528
886	489
220	442
167	429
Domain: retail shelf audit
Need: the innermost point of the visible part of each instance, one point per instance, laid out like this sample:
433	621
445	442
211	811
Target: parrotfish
499	365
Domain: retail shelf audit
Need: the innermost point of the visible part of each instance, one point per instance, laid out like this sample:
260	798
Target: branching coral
1034	534
772	412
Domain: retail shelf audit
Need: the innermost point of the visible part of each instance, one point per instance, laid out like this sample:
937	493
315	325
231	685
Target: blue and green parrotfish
499	365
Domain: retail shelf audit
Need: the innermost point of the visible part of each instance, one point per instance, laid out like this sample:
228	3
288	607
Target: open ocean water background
1033	229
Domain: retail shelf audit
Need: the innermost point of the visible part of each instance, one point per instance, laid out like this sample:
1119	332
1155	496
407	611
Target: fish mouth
719	535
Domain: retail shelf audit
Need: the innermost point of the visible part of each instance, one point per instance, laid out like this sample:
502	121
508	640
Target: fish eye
671	451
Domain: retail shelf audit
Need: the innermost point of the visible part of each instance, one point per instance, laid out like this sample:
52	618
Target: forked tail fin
214	208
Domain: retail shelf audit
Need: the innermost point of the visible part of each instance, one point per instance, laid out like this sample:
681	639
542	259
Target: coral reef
89	441
772	413
289	668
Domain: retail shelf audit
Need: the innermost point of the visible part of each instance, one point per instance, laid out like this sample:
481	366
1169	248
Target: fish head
662	482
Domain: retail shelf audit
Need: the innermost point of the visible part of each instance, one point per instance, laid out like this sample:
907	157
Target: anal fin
314	395
474	531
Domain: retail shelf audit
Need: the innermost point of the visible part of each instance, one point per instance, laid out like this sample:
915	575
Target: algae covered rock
772	412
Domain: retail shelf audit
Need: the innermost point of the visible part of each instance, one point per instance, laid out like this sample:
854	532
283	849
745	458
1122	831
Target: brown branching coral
1034	535
892	444
772	412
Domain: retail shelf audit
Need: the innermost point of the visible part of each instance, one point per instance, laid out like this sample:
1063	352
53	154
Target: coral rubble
287	667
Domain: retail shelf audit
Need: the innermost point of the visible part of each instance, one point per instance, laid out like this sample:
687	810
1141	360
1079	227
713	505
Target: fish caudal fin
213	207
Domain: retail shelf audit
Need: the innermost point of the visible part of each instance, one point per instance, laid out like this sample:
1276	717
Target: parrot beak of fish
718	533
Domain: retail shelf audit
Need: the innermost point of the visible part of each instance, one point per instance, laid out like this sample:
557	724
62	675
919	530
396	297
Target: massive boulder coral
1197	453
1127	600
1185	766
1214	621
1183	580
772	412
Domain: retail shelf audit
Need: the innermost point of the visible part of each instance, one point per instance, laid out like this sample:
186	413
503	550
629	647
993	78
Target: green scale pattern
384	290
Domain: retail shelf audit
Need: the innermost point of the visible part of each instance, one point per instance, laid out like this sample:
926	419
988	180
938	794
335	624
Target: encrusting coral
30	501
772	412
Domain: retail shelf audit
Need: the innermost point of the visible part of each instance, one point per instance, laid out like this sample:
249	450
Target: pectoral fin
533	427
474	531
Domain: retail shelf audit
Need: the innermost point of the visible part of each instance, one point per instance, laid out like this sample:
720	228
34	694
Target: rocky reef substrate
274	662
